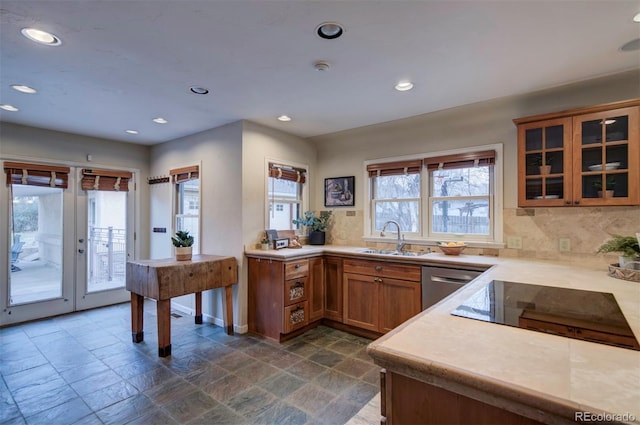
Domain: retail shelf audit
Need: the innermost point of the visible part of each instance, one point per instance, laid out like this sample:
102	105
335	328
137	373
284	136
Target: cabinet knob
378	268
297	266
576	202
567	202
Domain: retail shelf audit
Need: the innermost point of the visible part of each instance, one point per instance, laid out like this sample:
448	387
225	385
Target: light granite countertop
543	376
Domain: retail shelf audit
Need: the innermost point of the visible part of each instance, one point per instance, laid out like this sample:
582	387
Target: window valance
464	160
286	172
36	174
181	175
395	168
106	180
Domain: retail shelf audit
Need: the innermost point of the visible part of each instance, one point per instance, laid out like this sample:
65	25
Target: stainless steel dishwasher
440	282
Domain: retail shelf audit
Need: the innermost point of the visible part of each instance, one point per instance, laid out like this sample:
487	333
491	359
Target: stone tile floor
82	368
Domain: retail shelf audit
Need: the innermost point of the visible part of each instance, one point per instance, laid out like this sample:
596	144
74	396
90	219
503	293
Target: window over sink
285	194
451	195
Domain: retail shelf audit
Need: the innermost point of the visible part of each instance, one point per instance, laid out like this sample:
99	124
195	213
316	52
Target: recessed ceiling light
41	37
9	108
160	120
636	18
131	131
329	30
284	118
198	90
404	86
24	89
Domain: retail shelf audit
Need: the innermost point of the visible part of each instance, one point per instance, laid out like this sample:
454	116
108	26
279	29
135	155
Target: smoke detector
321	66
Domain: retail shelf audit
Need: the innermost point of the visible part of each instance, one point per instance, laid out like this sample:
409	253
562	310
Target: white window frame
304	204
176	208
496	239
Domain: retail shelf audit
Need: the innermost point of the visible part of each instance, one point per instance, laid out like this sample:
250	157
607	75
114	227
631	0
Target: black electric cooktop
573	313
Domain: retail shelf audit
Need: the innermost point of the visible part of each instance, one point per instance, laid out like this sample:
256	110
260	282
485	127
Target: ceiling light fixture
329	30
9	108
198	90
284	118
321	66
131	131
24	89
636	18
41	37
160	120
404	86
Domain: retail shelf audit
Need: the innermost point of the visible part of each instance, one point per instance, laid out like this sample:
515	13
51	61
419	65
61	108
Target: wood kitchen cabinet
316	288
571	158
279	293
333	288
378	296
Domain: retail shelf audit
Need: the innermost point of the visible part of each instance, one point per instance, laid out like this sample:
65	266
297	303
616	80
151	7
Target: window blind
465	160
395	168
36	174
181	175
286	172
106	180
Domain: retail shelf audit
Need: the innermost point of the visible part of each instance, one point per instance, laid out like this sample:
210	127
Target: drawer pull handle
297	266
378	268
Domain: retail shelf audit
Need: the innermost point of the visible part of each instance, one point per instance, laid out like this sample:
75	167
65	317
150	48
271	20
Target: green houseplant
609	186
184	245
317	225
627	246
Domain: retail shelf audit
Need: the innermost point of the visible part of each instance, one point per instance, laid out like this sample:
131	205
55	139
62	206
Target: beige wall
233	182
343	153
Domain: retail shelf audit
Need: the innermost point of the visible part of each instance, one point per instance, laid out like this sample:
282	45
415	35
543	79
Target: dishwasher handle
458	280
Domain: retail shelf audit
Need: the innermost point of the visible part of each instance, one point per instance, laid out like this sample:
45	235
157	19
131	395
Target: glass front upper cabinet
606	152
585	157
545	149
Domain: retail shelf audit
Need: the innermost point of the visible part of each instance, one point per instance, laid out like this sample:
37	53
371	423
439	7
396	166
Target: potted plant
544	167
317	225
628	246
610	184
184	245
264	242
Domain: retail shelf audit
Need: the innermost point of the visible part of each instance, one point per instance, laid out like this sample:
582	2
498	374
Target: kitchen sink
393	252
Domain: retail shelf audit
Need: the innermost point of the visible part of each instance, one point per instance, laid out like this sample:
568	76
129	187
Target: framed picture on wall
339	191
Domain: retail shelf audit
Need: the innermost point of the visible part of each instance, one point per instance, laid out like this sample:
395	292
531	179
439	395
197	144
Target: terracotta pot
605	194
545	169
184	253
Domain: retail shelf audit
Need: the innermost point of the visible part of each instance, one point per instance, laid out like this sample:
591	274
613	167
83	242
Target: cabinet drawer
296	269
296	316
295	290
375	268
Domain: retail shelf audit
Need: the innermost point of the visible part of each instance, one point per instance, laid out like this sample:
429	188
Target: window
443	197
285	195
395	189
187	202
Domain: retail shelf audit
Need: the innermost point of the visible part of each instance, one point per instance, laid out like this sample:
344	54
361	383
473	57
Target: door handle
81	240
81	251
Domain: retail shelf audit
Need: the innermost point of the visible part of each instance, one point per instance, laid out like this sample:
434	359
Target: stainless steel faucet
399	243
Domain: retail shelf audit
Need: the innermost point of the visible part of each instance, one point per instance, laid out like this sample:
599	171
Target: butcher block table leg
198	308
137	311
228	307
164	328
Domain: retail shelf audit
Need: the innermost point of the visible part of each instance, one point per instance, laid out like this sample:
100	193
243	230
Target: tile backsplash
540	230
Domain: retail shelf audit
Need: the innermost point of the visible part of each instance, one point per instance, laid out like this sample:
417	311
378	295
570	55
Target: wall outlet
514	242
564	244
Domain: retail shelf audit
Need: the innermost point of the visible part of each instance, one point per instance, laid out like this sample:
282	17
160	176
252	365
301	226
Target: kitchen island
496	373
470	371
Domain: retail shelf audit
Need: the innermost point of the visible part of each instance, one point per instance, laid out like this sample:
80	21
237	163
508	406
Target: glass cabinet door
606	152
545	158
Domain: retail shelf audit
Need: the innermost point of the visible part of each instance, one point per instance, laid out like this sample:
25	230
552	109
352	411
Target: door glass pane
554	137
591	132
533	139
106	252
617	128
36	248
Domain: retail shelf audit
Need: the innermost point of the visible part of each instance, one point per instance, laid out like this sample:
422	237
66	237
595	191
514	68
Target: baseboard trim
241	329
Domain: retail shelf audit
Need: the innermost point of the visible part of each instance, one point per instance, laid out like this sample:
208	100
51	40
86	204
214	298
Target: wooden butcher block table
164	279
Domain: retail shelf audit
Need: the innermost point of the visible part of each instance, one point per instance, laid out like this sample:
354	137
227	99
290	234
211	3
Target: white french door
63	249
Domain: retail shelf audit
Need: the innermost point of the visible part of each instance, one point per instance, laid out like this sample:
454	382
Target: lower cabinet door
400	300
295	316
361	301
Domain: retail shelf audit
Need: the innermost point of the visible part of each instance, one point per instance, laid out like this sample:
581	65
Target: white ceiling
123	63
